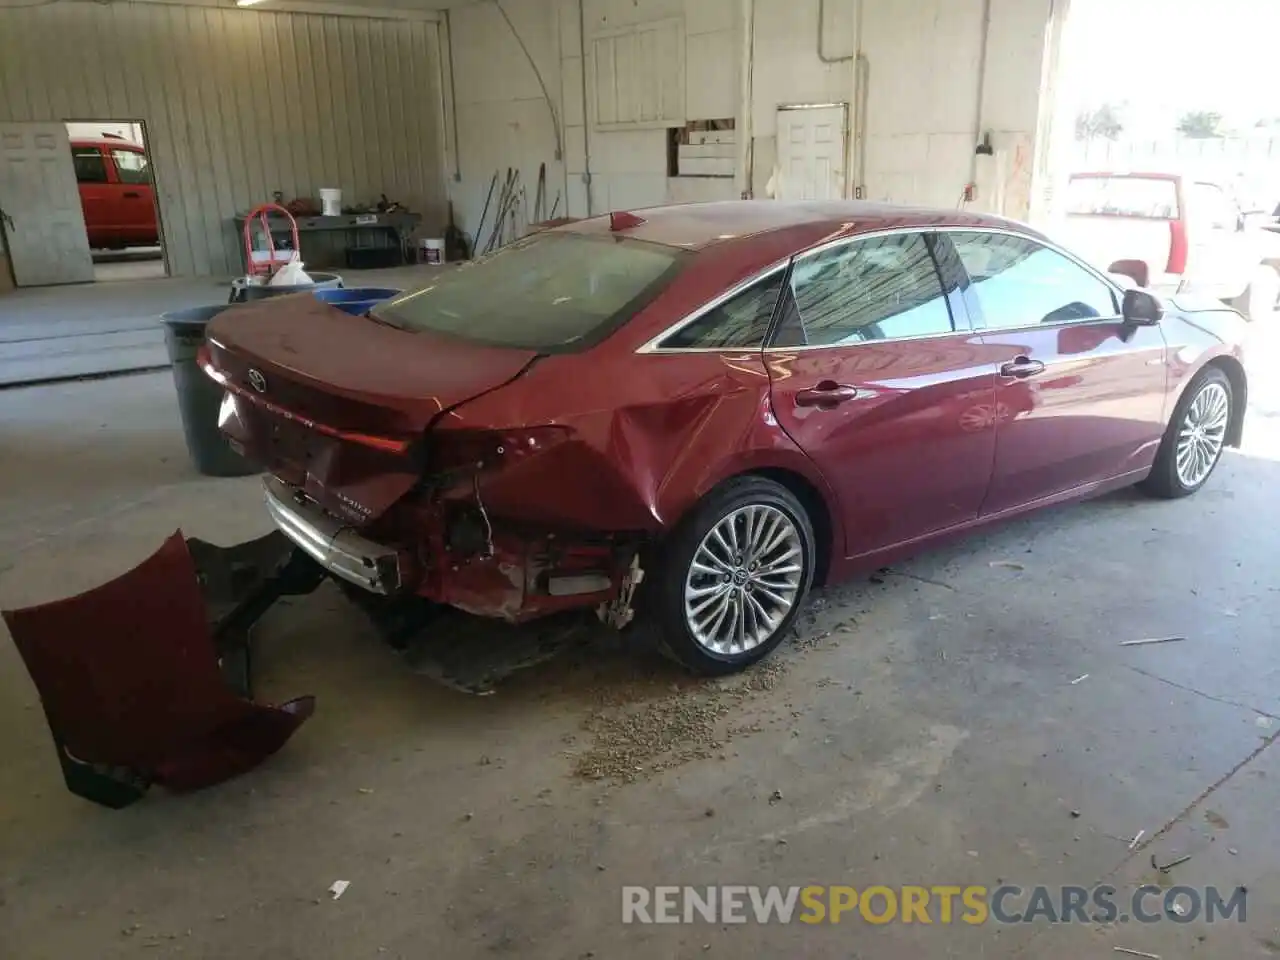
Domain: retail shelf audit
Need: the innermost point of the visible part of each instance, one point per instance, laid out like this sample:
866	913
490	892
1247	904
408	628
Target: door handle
1019	368
131	195
826	394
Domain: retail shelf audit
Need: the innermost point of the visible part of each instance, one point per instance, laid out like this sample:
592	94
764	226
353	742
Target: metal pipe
586	119
746	152
450	95
982	89
822	15
862	71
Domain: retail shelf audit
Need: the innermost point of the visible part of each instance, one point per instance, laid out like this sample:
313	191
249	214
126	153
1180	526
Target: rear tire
733	577
1259	300
1172	475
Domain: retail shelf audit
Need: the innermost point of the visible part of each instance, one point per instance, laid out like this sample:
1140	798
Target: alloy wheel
744	579
1202	434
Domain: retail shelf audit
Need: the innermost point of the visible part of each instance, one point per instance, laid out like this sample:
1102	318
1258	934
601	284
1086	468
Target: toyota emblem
258	381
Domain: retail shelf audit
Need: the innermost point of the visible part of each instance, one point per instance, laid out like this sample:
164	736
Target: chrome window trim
653	345
1116	291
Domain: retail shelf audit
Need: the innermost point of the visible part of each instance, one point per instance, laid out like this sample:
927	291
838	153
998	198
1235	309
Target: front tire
734	576
1195	438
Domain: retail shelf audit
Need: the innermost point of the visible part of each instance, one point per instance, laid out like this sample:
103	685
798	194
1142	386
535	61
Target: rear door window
1149	198
881	288
552	292
90	165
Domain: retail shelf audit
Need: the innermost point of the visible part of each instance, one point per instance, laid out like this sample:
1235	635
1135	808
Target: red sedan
698	412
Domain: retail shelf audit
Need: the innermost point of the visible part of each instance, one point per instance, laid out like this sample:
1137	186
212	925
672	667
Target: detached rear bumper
336	547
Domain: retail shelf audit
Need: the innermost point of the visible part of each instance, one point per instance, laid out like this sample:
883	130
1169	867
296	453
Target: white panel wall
788	69
503	120
502	116
922	117
238	104
629	167
921	99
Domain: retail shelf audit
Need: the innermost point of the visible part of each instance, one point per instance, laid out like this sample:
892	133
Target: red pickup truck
115	193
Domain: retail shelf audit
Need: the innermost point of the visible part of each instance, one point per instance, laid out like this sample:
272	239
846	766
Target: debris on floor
1145	641
1080	679
1008	565
1136	953
1170	865
339	887
646	725
1137	838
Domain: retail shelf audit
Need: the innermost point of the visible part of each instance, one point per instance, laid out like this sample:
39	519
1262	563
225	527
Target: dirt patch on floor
640	729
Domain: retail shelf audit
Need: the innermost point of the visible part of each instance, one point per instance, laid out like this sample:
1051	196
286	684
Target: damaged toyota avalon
696	413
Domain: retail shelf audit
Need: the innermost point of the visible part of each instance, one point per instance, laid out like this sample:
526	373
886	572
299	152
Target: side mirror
1141	308
1135	270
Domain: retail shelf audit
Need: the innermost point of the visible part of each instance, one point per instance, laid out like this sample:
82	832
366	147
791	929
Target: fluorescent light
246	3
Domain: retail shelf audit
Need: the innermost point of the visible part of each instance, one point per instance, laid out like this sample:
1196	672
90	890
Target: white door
811	153
43	222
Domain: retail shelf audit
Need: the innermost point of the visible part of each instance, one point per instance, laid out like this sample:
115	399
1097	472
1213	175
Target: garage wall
502	116
923	100
920	103
238	104
503	119
629	160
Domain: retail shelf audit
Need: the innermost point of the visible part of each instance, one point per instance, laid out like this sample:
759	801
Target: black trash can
198	396
242	292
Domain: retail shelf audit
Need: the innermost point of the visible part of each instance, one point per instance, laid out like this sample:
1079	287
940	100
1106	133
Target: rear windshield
1148	197
552	292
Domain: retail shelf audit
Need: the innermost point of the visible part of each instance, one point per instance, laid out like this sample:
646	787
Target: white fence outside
1250	166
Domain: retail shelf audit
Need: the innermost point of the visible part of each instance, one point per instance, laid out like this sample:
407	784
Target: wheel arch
819	511
1234	371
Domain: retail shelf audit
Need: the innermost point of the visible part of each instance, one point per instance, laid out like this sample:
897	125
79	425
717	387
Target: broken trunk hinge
619	612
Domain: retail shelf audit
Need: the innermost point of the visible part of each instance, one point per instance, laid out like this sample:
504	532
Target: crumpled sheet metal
129	679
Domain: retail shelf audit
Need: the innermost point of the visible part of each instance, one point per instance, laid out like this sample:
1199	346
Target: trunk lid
337	405
353	373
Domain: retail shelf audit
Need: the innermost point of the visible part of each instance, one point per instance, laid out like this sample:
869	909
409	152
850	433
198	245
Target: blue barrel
356	300
242	291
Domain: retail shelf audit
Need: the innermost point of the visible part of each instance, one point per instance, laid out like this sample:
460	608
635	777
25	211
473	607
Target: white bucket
331	201
432	250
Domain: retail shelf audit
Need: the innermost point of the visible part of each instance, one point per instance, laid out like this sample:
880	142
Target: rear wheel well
1239	394
816	506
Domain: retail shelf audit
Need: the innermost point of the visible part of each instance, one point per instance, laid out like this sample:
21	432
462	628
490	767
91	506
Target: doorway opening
117	197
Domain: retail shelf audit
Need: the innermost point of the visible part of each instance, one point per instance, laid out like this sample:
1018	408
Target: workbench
361	238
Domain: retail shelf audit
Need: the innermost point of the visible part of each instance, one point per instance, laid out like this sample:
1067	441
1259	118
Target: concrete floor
924	730
85	330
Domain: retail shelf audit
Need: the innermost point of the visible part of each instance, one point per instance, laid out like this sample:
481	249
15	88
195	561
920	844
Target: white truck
1187	232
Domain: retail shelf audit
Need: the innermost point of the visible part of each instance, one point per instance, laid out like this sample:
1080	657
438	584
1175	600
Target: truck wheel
734	576
1259	300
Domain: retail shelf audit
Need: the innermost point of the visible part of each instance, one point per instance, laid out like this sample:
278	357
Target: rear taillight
1177	247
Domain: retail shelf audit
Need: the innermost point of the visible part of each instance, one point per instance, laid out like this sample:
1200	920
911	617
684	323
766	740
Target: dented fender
642	463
